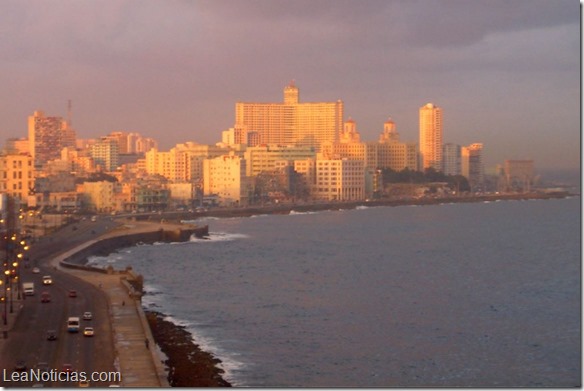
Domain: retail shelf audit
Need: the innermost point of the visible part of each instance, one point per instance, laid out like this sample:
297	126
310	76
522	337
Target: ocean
453	295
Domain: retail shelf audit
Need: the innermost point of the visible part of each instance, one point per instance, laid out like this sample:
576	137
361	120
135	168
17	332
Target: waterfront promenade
138	357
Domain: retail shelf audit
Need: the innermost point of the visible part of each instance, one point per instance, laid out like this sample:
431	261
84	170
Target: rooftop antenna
70	112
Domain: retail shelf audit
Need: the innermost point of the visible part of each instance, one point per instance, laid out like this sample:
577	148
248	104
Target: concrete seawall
77	258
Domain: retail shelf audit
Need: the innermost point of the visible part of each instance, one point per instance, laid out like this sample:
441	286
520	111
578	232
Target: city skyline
505	73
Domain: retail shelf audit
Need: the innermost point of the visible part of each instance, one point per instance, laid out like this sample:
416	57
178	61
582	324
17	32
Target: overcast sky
505	72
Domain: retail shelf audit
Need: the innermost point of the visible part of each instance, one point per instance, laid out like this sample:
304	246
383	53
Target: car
72	293
68	368
47	280
45	297
51	335
88	332
87	315
36	270
20	366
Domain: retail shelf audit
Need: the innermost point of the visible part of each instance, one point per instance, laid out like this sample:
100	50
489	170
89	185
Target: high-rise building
291	122
105	153
47	136
472	165
431	137
451	159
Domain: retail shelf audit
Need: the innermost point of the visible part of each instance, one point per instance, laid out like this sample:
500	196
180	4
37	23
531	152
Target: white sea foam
218	237
293	212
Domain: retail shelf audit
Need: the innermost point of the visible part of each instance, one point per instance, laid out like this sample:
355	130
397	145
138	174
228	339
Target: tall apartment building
105	153
47	136
291	122
225	177
451	159
431	137
16	176
472	165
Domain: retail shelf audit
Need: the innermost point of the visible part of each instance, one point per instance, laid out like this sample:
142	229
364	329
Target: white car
88	332
87	315
36	270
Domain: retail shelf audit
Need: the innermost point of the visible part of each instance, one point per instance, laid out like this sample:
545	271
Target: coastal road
27	340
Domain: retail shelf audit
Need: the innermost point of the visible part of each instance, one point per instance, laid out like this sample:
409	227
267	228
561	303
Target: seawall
127	238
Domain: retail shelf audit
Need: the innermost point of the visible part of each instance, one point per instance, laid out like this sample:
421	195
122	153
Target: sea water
476	295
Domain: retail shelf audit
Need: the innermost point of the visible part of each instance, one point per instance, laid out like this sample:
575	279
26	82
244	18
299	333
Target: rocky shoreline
188	365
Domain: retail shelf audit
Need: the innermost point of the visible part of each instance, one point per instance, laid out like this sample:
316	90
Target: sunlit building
16	176
338	180
392	153
431	137
264	158
183	163
292	122
105	154
47	136
225	177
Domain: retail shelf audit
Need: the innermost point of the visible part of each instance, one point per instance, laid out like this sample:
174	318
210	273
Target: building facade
225	176
431	135
292	122
451	159
472	166
16	176
47	136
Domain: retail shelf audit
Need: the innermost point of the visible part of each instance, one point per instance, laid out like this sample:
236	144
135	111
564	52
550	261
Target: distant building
264	158
473	166
105	153
16	176
518	175
431	135
451	159
47	136
292	122
338	180
225	176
